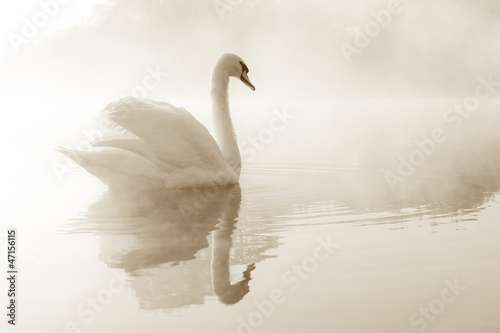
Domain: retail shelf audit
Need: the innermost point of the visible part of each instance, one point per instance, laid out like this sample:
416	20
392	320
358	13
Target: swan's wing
171	133
118	167
133	144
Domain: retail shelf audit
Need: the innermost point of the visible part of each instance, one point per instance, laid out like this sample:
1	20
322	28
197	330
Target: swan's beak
244	78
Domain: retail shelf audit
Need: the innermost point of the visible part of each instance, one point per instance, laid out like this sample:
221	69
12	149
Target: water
295	247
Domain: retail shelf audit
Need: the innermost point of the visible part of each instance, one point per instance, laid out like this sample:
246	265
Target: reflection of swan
221	245
158	145
160	239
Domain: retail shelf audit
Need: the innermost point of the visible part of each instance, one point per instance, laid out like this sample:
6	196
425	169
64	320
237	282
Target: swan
155	145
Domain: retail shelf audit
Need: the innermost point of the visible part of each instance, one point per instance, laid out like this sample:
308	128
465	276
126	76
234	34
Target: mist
354	96
429	49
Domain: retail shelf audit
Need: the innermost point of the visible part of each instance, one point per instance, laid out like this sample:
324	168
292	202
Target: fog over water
430	49
429	56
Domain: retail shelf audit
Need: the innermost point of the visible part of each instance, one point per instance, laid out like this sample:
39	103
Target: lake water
316	241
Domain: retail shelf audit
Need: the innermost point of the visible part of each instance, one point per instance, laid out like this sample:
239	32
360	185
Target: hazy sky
64	16
293	48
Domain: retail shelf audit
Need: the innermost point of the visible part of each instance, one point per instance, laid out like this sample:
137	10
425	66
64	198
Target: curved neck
223	125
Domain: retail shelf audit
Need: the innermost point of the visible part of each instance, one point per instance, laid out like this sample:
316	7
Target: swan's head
234	66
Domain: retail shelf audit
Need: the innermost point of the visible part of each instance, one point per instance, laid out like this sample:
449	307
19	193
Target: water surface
294	247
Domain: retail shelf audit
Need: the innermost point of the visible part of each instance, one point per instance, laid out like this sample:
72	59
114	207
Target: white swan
158	145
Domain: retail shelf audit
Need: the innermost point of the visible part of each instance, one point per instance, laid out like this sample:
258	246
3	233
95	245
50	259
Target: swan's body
163	146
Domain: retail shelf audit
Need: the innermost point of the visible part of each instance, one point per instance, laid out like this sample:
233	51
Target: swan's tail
75	155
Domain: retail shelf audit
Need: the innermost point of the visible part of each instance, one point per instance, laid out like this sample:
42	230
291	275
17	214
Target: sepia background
372	207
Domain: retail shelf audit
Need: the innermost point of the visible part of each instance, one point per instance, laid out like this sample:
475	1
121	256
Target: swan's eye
244	68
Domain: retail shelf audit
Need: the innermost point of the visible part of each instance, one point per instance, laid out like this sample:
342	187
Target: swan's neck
223	125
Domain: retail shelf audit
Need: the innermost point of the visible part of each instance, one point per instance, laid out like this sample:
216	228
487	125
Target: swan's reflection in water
221	245
182	247
154	236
